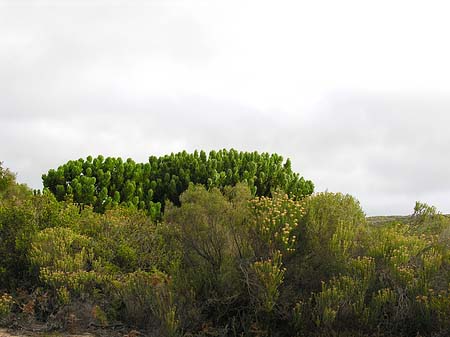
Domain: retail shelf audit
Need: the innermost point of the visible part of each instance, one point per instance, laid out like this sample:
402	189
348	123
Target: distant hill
386	219
381	220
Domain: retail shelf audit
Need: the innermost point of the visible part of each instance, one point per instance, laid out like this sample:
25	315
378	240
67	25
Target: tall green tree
104	182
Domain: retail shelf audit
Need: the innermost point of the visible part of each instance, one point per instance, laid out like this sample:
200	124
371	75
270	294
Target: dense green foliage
224	262
105	183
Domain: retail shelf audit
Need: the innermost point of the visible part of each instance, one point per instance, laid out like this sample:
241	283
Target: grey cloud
52	56
380	150
74	82
383	147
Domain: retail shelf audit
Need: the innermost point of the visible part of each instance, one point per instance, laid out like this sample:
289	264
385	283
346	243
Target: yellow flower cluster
421	298
276	220
6	302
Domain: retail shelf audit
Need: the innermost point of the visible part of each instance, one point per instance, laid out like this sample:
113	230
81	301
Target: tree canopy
106	182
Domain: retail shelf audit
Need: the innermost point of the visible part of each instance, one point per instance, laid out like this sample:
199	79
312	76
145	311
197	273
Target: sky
356	93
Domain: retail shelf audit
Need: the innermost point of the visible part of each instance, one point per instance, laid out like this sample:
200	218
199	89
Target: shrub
17	227
148	300
208	232
274	223
269	278
6	303
10	190
329	234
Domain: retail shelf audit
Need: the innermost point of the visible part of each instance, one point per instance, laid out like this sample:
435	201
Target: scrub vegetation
225	244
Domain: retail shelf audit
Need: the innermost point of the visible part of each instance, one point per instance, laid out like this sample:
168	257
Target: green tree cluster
107	182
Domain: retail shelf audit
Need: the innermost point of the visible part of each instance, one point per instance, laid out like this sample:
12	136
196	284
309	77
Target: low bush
225	263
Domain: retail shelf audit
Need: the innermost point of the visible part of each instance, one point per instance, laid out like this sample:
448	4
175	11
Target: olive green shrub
148	300
329	234
94	255
393	277
208	232
17	227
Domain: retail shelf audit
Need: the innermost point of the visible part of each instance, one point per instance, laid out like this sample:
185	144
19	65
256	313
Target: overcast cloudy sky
356	93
